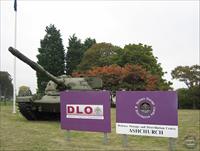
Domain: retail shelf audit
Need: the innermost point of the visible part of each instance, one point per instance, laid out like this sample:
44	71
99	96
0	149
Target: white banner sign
80	111
147	130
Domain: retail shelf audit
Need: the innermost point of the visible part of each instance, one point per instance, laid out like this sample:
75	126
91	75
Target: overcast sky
171	28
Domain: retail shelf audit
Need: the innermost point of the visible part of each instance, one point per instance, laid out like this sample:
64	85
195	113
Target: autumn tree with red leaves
129	77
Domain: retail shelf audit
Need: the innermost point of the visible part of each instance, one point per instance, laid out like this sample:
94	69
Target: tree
129	77
88	43
99	55
6	86
75	52
104	54
142	55
51	56
191	77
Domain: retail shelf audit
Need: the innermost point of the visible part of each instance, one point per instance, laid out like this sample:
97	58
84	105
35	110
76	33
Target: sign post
86	111
125	140
68	136
105	138
171	144
147	113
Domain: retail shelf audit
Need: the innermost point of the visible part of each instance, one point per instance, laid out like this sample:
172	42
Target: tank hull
40	109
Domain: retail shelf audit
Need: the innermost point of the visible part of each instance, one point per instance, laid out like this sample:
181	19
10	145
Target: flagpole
14	73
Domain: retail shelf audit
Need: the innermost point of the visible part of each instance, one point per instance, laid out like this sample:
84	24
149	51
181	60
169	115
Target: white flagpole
14	82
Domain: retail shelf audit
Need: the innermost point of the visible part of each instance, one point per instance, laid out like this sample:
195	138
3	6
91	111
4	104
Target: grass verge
16	133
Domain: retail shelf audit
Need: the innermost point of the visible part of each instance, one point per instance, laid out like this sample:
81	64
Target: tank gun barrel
36	66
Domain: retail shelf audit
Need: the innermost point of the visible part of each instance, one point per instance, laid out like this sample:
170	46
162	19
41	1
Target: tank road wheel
30	114
48	116
26	111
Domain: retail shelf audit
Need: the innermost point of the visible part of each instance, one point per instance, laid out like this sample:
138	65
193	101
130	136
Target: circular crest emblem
145	107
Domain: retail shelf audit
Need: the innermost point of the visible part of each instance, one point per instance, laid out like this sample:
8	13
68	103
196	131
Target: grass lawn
16	133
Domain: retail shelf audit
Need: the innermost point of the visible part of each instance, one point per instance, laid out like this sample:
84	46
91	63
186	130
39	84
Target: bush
188	98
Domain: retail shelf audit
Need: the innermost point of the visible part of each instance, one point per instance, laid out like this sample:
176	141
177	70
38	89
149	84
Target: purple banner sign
85	111
148	113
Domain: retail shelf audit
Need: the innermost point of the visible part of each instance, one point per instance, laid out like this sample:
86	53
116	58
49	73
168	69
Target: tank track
34	115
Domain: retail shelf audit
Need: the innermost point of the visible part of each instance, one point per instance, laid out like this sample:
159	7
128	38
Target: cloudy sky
171	28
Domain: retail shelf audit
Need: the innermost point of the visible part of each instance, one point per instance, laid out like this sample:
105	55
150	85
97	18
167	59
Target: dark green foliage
88	43
51	56
99	55
194	93
189	98
6	86
142	55
183	99
75	52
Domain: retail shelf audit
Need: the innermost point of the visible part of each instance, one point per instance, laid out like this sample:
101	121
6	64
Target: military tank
48	107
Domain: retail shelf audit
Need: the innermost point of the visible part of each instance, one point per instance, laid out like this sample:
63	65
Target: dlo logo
82	111
145	107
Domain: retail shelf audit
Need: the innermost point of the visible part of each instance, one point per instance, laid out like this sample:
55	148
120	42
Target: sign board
147	113
85	111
